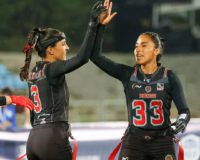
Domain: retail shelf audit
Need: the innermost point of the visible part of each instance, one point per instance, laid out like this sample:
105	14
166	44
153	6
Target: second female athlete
48	140
149	88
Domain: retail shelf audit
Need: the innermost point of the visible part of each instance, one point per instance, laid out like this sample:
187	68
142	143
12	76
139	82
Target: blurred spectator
7	112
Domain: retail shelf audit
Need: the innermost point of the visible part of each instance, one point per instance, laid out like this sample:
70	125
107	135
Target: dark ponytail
159	43
35	36
24	70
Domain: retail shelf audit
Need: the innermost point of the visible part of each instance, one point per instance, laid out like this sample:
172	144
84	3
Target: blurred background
95	96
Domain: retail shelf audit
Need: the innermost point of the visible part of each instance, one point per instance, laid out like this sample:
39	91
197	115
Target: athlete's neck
149	68
48	59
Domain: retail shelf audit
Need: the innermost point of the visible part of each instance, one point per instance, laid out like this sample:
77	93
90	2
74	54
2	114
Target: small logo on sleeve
160	86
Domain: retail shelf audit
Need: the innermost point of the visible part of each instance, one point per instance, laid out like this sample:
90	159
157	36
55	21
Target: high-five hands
97	9
106	16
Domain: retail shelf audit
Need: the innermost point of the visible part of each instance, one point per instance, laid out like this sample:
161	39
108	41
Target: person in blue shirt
7	112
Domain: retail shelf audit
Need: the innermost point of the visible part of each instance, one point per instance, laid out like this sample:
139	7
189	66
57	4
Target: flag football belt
69	134
140	132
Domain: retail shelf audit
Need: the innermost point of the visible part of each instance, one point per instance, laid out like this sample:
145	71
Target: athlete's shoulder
165	71
172	77
168	71
126	67
128	70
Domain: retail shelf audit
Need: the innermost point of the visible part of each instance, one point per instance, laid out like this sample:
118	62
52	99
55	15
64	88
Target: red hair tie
37	33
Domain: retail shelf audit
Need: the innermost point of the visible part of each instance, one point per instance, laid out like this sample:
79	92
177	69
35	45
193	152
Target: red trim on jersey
135	73
165	74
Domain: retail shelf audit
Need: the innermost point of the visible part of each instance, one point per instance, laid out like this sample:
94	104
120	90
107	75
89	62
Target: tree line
19	17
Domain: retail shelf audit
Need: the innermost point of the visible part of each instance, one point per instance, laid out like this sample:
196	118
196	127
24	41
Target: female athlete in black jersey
149	89
48	140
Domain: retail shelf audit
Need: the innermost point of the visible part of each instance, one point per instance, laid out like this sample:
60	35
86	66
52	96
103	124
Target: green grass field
90	87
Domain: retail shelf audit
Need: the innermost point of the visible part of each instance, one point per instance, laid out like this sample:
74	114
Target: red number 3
140	107
35	94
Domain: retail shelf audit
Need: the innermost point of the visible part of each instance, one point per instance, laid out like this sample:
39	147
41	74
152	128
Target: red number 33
35	94
140	107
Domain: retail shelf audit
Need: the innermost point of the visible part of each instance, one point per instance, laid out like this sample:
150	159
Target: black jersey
47	86
51	101
149	101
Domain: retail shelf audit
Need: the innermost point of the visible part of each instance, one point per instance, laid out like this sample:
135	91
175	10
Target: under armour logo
124	158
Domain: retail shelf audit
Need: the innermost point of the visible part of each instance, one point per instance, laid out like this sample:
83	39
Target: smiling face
145	51
59	51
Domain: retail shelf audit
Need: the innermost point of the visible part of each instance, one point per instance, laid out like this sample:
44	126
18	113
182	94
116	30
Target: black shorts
49	142
135	147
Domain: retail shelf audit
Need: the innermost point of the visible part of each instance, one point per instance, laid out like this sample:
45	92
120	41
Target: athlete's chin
64	57
140	62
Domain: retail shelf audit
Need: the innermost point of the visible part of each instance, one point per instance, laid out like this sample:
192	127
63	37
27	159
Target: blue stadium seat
3	70
7	79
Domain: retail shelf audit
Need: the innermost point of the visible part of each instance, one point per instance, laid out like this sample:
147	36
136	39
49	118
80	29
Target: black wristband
2	100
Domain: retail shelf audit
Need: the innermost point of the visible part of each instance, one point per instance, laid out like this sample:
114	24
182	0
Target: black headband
41	46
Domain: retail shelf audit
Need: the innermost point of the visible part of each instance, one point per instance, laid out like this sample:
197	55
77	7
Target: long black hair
159	43
43	35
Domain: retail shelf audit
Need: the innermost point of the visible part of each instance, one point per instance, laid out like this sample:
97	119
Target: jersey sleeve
112	68
58	68
2	100
178	95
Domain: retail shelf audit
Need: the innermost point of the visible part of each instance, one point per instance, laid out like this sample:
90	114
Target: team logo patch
160	86
168	157
148	89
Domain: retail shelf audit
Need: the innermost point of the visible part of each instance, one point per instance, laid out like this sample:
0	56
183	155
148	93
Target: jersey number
35	94
140	107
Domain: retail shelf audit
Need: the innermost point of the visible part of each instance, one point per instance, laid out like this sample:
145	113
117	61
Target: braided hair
159	43
35	36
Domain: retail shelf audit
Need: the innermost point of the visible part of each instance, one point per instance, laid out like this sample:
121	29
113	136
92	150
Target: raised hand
95	13
22	101
106	16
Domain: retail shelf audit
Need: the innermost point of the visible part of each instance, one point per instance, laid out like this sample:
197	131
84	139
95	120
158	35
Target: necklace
147	79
